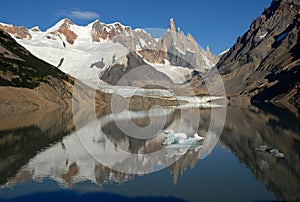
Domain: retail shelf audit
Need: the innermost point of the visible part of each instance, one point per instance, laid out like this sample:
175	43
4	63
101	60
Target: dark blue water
217	177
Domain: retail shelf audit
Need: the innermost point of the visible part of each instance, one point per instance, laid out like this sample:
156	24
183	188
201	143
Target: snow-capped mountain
86	52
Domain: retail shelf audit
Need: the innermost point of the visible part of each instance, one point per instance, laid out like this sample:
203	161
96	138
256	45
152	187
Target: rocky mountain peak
191	38
35	29
172	25
68	21
207	49
107	31
63	27
99	31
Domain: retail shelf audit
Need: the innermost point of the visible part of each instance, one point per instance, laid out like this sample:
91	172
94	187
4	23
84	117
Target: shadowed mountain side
258	127
263	64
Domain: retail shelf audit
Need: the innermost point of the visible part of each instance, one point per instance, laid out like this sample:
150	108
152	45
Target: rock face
65	30
17	32
144	75
180	50
101	31
264	63
124	35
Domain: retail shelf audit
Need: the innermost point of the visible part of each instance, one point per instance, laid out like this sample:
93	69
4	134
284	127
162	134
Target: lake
45	157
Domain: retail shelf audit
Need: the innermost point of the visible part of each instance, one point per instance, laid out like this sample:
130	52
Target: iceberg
180	140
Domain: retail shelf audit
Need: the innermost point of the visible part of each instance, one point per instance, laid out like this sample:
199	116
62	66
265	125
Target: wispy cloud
78	14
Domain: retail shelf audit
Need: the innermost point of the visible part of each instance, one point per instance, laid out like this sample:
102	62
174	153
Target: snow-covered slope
178	74
76	59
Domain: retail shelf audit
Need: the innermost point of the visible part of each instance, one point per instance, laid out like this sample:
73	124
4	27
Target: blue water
219	177
233	171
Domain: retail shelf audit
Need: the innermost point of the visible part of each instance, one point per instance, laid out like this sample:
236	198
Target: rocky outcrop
99	32
264	63
17	32
102	31
154	55
124	35
65	30
144	75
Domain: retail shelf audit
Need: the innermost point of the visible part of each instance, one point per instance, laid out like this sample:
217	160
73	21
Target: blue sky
216	23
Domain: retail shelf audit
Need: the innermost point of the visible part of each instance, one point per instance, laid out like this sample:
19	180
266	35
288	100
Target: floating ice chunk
180	136
275	152
168	141
279	155
180	140
197	137
174	138
261	148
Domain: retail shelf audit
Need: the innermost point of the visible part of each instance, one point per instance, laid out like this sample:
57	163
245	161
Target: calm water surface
45	159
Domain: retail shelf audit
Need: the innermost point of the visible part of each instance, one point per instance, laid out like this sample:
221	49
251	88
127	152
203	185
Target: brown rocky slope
263	64
28	83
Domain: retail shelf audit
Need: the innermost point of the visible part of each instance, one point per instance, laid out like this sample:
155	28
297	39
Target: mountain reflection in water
48	150
276	128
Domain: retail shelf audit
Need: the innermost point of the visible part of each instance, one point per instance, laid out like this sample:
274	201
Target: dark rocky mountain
263	64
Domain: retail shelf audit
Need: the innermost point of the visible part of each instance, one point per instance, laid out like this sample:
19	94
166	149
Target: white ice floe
180	140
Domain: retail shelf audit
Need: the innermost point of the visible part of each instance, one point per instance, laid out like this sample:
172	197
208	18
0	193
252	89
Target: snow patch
263	35
142	42
223	52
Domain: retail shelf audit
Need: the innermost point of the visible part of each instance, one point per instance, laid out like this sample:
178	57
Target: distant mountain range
87	52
